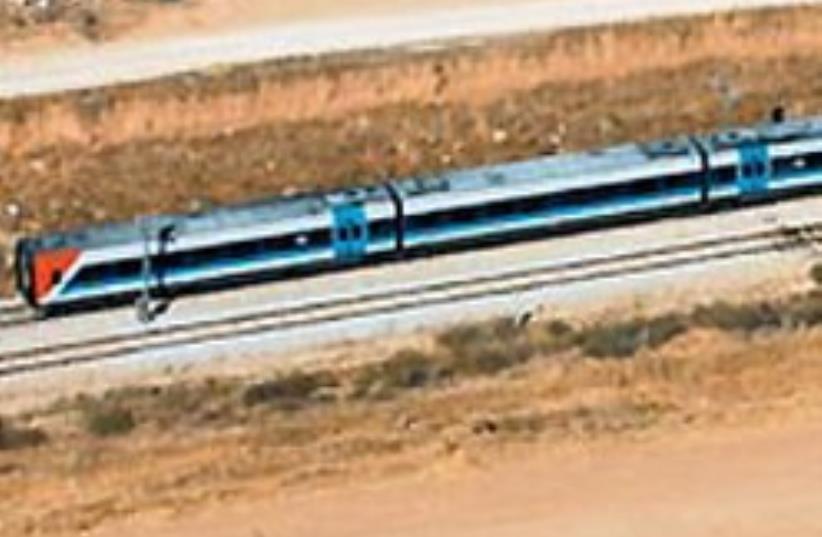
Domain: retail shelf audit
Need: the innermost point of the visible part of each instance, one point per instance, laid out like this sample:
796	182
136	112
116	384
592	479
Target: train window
797	164
814	160
725	175
571	198
56	277
320	236
108	273
381	229
239	249
246	249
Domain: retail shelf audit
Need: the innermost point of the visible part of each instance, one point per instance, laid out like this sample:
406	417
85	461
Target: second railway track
398	298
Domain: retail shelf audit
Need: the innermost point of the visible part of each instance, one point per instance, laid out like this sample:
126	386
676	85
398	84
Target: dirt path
736	483
86	24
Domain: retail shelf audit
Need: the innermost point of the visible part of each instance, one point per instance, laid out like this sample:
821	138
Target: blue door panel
350	233
754	172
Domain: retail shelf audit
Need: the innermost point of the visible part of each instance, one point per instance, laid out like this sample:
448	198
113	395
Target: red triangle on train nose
50	267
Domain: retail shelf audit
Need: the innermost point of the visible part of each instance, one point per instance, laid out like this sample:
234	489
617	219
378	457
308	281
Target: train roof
272	210
771	133
566	171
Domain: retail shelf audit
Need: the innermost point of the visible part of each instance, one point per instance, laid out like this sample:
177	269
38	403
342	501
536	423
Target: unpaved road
733	483
76	69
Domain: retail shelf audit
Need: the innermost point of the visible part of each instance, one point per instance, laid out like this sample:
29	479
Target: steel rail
405	298
14	313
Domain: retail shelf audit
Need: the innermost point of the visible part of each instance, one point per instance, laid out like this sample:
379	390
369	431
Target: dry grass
468	389
230	100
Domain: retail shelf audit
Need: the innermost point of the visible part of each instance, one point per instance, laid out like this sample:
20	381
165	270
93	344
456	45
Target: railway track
399	298
14	313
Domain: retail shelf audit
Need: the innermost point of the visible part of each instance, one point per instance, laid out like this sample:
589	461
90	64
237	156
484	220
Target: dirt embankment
234	134
461	395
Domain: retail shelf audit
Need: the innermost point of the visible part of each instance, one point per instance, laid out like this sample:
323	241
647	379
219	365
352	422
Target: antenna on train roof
778	114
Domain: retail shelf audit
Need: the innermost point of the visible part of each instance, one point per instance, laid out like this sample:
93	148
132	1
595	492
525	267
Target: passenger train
305	234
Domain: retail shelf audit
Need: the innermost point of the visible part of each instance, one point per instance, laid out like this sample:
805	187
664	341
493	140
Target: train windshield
23	271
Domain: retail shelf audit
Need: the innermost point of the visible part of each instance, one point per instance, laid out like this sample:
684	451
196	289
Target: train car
496	202
764	162
168	254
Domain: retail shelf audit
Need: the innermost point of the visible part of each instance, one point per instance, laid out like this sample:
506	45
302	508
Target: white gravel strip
127	62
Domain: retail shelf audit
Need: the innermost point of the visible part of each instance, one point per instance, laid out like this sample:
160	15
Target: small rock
363	122
407	423
38	165
499	136
196	205
484	426
13	210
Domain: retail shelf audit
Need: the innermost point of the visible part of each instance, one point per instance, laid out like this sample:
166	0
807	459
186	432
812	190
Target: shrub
663	329
289	392
745	318
613	340
805	311
406	370
489	357
559	329
486	348
12	437
623	339
106	421
816	274
551	337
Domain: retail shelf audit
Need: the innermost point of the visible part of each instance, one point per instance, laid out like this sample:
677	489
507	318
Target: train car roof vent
426	185
786	132
732	138
666	148
496	178
351	195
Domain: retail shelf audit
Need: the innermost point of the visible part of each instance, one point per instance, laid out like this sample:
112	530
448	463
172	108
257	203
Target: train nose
50	268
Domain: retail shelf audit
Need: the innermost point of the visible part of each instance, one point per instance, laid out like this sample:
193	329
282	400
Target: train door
350	232
754	170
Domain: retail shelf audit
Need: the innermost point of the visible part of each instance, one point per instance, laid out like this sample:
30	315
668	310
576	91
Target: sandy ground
84	23
715	432
746	482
